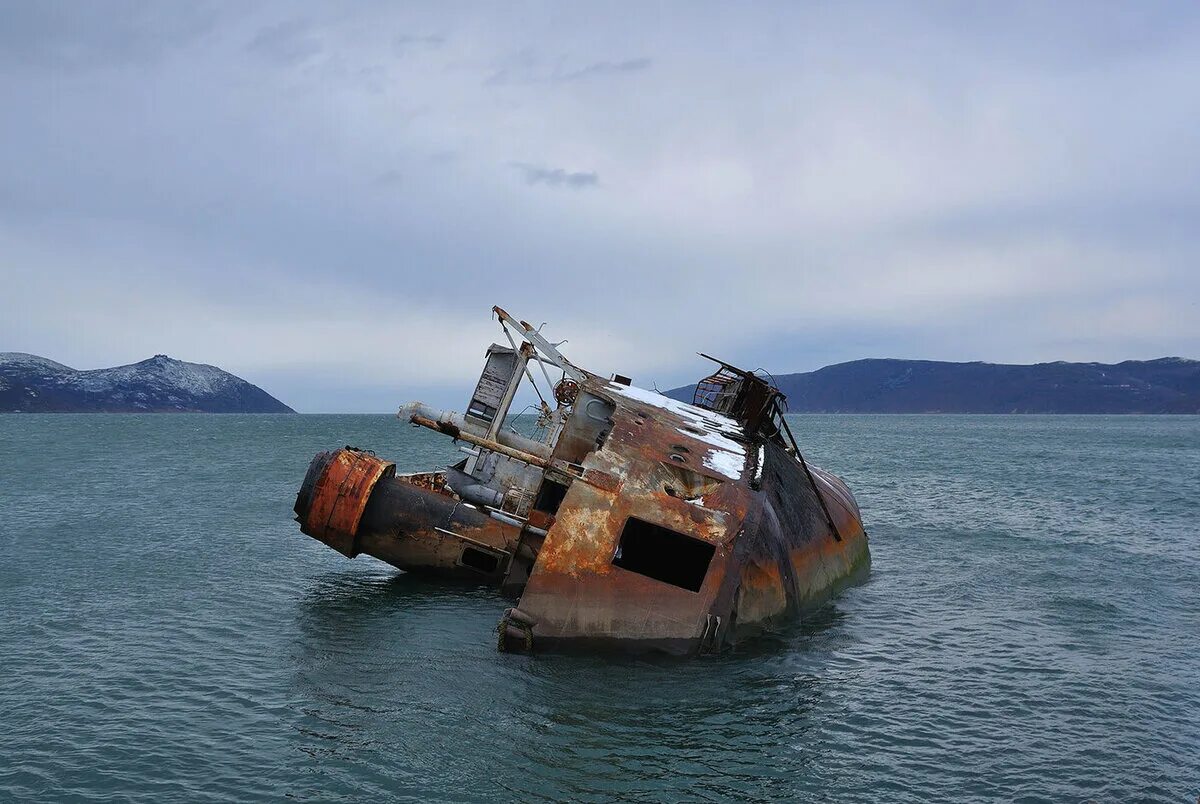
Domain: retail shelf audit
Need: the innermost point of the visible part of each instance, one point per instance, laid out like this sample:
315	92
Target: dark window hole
479	560
550	497
663	554
482	410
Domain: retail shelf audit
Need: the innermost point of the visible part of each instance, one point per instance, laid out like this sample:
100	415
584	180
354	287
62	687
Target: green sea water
1030	631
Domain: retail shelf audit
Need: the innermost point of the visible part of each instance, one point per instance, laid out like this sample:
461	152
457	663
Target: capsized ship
624	519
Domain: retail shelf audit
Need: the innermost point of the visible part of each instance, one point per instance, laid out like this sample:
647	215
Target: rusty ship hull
629	520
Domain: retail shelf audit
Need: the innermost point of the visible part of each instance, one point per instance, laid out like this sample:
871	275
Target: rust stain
602	480
341	495
431	481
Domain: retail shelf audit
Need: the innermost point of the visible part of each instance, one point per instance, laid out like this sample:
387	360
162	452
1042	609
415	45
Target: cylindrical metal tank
355	503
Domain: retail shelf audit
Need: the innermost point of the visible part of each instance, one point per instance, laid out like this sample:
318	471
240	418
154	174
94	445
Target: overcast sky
328	200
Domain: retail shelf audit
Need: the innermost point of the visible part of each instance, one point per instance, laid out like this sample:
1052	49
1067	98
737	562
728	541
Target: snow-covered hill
29	383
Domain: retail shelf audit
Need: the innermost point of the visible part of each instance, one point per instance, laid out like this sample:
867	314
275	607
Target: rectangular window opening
482	410
663	554
550	497
479	560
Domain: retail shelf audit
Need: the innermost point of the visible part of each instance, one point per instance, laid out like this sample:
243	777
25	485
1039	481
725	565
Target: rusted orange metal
493	446
340	496
355	503
432	481
575	594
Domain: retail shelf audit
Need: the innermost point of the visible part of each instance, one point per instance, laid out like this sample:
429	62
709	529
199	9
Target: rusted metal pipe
444	418
458	434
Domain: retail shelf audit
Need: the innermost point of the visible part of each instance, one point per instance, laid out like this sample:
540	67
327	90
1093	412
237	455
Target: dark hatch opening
550	497
663	554
479	560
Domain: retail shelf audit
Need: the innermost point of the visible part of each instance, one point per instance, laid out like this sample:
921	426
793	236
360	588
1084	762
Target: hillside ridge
888	385
161	384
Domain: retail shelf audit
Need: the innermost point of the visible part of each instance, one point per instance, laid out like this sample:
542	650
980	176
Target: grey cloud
556	177
389	179
406	43
78	36
602	68
527	68
286	43
373	78
521	68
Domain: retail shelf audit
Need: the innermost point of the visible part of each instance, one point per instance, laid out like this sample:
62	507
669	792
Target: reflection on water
341	592
1029	630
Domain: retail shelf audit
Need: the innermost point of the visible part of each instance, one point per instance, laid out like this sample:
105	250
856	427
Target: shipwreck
622	519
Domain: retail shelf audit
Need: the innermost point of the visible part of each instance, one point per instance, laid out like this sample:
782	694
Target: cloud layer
328	202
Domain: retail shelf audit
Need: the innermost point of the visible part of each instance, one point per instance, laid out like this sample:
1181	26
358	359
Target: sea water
1030	630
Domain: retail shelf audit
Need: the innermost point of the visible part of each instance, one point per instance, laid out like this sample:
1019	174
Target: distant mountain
33	384
1166	385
